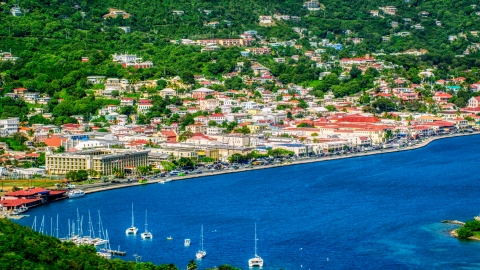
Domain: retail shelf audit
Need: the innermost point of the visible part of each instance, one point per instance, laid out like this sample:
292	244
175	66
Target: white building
8	126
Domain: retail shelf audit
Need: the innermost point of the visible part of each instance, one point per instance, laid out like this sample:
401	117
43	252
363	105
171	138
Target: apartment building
103	160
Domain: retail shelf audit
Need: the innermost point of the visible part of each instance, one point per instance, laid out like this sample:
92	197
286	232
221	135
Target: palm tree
192	265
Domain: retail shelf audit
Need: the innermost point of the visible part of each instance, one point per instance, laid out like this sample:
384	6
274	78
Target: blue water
375	212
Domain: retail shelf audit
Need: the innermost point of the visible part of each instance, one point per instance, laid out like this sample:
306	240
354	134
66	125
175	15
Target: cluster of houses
263	120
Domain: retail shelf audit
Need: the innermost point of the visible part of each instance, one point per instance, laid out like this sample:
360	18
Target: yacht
132	229
146	234
256	261
201	252
75	193
186	242
19	210
104	253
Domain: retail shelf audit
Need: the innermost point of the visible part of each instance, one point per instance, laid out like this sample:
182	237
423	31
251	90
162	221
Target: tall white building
8	126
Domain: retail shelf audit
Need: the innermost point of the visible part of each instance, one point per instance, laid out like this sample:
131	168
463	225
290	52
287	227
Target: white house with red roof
201	119
441	97
144	106
127	102
217	117
475	87
474	102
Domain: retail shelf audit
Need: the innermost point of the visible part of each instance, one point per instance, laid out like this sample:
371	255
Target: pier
117	252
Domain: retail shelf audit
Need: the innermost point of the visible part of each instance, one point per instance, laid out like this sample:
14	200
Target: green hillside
51	37
21	248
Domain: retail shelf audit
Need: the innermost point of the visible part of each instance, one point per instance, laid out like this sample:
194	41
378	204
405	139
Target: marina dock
117	252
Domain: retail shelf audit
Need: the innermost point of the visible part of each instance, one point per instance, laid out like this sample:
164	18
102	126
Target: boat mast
99	228
146	221
108	241
34	225
51	226
57	225
89	224
202	237
42	225
255	239
73	228
68	229
81	226
132	216
78	222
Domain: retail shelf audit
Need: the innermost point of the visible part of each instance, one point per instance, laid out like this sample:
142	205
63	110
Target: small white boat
19	210
104	253
256	261
146	234
186	242
201	253
169	238
101	242
133	229
167	180
75	193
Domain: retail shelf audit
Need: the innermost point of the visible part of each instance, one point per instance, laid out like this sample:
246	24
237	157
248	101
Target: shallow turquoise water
373	212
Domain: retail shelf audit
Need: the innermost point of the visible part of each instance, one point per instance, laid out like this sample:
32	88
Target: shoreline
300	162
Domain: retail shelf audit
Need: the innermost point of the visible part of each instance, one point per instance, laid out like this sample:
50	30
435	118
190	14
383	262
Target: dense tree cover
51	38
468	228
16	142
77	176
21	248
13	108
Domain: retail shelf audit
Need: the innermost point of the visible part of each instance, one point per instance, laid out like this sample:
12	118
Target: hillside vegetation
21	248
52	36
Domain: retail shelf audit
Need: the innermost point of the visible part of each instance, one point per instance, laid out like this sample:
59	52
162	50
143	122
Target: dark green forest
21	248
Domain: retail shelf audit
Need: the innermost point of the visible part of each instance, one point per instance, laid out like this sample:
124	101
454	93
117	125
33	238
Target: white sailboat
201	253
146	234
133	229
256	261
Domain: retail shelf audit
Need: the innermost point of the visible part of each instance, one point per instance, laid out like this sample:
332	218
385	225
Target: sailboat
201	253
133	229
146	234
257	260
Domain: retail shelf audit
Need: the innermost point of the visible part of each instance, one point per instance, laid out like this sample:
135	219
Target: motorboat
75	193
186	242
19	210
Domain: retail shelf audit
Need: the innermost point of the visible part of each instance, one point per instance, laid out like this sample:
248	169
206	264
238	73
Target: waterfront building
103	160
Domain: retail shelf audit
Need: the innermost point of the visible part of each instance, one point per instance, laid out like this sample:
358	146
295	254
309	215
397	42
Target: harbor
381	208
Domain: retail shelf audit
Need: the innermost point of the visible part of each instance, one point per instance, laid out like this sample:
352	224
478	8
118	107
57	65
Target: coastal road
90	188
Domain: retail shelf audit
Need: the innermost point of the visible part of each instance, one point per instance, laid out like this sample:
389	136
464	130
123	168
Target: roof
54	142
17	202
203	89
28	192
